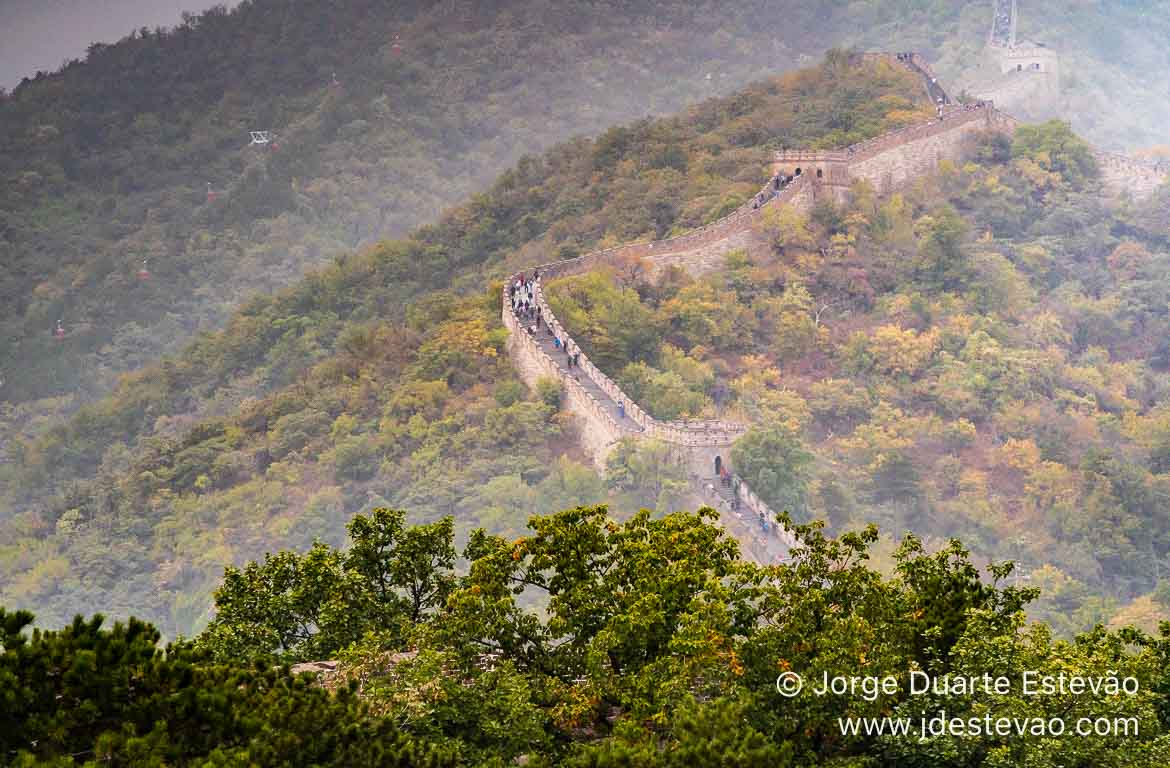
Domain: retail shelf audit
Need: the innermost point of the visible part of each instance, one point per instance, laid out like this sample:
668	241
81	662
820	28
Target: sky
42	34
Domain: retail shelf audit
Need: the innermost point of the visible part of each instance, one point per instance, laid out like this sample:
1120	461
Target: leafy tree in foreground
303	607
588	643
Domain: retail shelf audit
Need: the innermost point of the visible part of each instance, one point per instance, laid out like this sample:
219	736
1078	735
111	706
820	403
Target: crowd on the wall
522	293
775	186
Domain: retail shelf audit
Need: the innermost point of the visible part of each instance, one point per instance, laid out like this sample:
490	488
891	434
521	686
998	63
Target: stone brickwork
599	429
1124	175
893	159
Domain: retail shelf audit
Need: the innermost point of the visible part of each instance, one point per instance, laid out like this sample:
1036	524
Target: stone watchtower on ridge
1028	82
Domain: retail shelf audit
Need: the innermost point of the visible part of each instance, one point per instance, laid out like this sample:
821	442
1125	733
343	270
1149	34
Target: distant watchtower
1029	72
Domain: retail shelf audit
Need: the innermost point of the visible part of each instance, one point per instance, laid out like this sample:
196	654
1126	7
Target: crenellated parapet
899	156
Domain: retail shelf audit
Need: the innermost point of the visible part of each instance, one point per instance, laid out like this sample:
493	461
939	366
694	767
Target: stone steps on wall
764	547
545	341
722	491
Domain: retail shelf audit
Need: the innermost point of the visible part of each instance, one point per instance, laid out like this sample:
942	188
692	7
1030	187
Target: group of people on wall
522	294
775	186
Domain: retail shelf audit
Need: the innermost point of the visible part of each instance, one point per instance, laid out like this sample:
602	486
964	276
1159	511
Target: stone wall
898	157
1124	175
1030	59
752	503
1015	88
887	162
697	443
598	429
893	160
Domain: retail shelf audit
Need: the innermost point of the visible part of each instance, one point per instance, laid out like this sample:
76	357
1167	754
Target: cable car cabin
143	272
210	193
396	48
59	331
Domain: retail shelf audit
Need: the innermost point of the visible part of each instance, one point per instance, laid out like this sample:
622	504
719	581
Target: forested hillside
110	162
382	379
107	165
279	422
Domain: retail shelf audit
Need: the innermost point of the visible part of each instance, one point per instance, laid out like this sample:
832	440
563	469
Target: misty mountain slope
373	380
106	164
984	355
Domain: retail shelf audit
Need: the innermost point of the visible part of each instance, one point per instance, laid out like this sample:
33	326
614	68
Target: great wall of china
606	415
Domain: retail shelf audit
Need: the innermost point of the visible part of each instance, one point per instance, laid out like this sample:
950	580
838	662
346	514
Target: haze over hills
424	105
325	399
930	336
433	101
426	363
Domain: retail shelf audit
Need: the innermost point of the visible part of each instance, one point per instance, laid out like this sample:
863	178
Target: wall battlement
895	158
